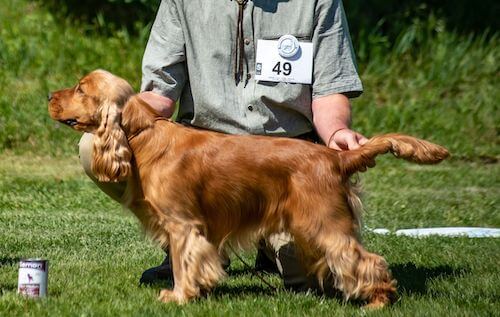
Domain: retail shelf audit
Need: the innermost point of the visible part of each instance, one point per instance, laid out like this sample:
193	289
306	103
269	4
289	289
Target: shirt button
250	107
247	41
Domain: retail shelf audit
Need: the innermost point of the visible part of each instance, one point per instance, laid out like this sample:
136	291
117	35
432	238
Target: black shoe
226	263
263	263
158	274
163	272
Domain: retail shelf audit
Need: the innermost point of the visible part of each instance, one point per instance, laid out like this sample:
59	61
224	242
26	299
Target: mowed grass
97	252
445	91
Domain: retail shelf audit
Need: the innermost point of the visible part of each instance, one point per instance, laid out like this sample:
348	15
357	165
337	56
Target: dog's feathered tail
401	146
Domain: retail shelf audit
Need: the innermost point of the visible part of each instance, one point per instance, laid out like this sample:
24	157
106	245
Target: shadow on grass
413	280
244	271
242	290
7	288
9	261
225	290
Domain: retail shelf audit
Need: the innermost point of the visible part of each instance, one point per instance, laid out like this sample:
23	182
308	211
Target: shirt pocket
276	35
292	17
274	32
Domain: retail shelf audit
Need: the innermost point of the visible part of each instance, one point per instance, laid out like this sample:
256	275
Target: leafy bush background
383	21
430	68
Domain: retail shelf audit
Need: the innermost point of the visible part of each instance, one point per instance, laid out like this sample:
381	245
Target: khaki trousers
279	247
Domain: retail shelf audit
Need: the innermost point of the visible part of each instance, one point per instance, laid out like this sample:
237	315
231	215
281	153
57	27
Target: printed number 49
287	68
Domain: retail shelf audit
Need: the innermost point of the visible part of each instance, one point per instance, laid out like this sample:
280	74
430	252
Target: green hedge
443	89
381	22
107	15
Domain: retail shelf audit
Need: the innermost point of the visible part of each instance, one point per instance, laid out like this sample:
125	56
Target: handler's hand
346	139
163	105
331	119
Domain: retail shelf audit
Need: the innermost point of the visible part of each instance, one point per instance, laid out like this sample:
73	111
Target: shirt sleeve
163	64
335	69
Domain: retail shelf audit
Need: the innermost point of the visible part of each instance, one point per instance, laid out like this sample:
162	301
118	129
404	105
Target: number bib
286	60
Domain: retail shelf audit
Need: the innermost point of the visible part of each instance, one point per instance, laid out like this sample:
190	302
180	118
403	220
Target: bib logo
258	68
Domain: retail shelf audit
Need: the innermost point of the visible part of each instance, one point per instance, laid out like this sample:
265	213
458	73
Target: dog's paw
170	296
381	299
375	305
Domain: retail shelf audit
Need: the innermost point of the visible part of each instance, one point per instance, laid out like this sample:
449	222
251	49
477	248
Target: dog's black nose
49	96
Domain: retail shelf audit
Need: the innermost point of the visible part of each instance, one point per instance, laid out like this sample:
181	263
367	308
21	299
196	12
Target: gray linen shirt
191	54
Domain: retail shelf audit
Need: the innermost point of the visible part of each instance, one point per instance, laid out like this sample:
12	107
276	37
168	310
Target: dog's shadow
223	289
413	280
241	291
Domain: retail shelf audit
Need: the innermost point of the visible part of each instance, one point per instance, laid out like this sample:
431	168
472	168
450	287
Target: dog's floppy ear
112	154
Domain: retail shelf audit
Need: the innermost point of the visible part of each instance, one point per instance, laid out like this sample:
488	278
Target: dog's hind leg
357	272
195	261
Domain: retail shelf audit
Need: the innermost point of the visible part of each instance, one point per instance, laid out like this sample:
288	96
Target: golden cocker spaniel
195	190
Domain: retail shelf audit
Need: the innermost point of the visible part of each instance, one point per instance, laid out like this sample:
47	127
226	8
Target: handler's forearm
331	113
163	105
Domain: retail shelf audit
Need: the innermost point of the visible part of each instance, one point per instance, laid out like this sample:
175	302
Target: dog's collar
136	133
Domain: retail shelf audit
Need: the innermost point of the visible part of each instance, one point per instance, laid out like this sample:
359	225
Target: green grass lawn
446	90
97	251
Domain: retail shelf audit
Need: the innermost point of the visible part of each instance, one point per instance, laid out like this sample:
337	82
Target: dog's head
94	105
85	105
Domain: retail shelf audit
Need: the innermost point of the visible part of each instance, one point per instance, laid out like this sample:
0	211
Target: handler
204	55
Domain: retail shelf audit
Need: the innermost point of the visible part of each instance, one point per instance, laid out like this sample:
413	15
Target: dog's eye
79	89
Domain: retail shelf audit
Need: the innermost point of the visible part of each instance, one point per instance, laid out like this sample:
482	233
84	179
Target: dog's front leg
195	262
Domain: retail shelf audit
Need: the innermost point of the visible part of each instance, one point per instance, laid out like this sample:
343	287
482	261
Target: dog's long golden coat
194	190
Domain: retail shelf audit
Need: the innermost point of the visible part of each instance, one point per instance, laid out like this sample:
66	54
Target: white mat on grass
471	232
